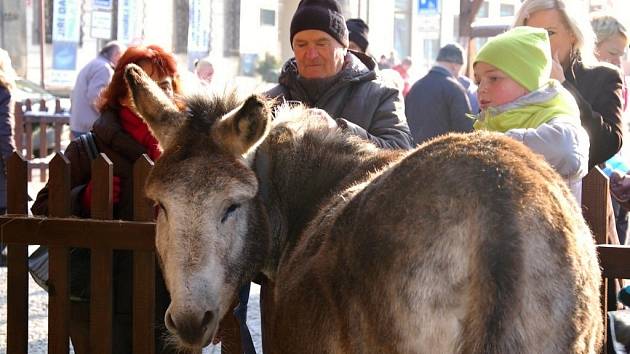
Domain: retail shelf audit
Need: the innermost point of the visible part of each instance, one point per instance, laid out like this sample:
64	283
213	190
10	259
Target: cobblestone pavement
38	318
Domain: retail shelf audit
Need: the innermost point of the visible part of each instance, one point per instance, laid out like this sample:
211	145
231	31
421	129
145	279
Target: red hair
161	60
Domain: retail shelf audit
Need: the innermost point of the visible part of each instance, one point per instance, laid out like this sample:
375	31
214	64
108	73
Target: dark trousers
240	312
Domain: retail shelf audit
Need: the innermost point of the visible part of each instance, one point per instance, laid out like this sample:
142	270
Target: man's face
318	54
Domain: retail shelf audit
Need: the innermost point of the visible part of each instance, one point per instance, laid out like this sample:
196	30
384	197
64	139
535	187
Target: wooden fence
25	119
60	231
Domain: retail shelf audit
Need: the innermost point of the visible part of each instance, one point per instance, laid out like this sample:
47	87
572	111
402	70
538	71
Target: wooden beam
84	233
614	260
487	31
468	10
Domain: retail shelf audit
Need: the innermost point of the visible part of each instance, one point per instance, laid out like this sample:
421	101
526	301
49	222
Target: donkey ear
155	107
241	129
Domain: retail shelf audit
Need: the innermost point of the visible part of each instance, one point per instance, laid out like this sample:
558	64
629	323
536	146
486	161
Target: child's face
495	87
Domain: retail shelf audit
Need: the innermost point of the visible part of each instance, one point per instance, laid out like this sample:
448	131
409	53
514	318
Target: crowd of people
552	82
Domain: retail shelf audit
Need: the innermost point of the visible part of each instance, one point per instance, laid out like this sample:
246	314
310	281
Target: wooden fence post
595	202
17	292
18	129
101	282
59	272
43	147
143	266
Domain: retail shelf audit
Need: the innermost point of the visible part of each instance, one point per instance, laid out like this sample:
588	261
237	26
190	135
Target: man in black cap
437	103
358	32
342	84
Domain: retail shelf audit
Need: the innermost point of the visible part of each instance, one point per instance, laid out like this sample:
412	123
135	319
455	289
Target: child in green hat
517	97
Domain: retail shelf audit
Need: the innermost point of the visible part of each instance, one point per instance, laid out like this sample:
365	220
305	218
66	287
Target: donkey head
211	232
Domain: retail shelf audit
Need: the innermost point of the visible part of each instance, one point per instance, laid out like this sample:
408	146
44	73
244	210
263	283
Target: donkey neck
296	178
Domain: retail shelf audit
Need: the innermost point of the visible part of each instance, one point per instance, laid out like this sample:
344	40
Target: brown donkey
469	244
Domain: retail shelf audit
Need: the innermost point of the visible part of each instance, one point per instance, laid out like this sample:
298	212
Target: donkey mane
202	112
326	159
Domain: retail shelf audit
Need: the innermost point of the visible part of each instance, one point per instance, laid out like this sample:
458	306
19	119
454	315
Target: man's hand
316	113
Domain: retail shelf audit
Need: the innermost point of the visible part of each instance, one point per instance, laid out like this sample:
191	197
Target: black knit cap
322	15
358	32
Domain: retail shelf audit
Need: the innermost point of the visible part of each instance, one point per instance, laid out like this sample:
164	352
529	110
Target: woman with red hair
123	136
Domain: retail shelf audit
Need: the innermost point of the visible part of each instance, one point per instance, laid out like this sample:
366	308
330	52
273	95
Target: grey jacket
359	101
90	81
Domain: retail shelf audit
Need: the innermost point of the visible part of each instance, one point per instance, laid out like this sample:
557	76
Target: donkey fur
468	244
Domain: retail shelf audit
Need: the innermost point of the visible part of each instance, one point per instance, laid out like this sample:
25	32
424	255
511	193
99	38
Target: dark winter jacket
359	101
120	148
598	92
437	104
7	144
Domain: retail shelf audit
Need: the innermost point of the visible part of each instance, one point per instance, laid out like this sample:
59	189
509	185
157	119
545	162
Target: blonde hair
606	25
7	74
575	18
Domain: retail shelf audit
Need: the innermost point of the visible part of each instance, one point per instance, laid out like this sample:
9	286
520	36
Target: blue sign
428	6
102	4
64	55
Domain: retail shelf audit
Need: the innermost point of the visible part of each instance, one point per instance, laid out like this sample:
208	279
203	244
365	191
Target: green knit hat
523	53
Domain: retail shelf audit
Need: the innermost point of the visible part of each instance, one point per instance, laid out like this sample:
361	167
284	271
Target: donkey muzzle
193	329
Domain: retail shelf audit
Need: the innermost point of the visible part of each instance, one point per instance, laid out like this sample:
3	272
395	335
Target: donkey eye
231	209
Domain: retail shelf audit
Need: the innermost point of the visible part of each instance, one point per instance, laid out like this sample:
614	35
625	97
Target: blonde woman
7	145
596	88
612	41
612	38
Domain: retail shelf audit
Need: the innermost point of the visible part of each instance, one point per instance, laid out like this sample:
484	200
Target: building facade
238	37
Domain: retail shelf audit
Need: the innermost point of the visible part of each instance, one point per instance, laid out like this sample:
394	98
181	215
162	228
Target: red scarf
139	131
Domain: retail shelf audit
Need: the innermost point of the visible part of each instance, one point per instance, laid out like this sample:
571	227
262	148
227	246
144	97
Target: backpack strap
89	144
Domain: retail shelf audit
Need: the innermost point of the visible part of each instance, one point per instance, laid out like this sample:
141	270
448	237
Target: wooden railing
25	118
60	232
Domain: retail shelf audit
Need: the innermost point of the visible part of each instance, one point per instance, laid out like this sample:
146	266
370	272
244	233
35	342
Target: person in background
123	136
612	41
612	38
518	97
204	70
358	41
90	82
437	103
358	32
403	70
7	144
383	63
597	88
342	84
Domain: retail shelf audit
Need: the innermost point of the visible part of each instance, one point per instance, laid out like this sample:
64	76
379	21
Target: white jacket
564	145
